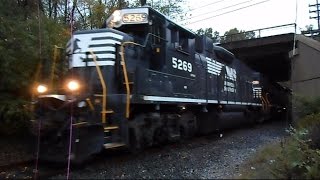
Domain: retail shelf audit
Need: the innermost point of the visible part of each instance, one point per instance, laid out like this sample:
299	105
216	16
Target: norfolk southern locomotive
144	80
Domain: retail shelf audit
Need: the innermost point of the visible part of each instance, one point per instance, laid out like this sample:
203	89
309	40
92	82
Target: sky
267	14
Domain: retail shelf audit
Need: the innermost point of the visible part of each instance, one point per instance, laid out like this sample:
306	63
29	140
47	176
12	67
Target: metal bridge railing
259	33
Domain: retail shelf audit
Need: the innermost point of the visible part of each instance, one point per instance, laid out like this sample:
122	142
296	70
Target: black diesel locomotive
144	80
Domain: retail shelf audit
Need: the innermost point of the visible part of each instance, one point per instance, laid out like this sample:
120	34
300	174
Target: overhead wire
216	2
228	12
227	7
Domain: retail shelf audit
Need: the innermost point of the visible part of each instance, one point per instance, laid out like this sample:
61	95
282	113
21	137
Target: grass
295	157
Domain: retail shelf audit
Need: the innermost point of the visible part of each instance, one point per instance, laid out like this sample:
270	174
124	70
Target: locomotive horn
143	2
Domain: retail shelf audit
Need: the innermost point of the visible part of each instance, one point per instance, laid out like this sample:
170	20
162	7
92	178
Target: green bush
298	156
291	159
312	124
304	106
14	116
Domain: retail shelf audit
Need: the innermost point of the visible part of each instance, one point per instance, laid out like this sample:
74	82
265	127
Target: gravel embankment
15	149
214	156
208	157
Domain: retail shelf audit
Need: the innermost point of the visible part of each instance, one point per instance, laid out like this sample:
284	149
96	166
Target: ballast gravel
215	156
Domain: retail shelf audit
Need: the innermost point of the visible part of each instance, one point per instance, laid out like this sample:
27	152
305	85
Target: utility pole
316	11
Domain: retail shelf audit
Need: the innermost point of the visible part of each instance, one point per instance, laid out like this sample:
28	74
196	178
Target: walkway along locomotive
144	80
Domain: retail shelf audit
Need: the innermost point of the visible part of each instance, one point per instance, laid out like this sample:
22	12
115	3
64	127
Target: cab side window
183	42
174	37
181	39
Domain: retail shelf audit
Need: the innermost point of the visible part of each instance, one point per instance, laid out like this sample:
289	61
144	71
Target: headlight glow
42	89
73	85
115	19
116	16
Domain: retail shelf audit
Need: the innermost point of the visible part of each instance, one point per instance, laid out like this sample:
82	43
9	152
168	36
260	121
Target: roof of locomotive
165	17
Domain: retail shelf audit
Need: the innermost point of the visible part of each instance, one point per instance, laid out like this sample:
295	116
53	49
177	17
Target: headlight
116	16
115	19
42	89
73	85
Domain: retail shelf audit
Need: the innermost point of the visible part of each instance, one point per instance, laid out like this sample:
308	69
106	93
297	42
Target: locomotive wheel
259	117
135	134
188	125
160	136
86	141
135	141
208	122
250	116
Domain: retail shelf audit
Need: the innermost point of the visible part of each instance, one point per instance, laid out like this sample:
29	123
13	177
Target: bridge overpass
291	61
289	58
268	55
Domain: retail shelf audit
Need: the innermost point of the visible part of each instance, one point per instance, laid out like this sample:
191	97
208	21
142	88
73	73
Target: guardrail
259	33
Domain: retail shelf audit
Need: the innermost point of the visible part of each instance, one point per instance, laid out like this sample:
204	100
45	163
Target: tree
20	44
24	45
91	14
209	33
311	32
309	27
170	8
236	35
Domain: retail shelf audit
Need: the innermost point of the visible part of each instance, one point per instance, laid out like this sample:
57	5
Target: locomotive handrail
104	87
125	73
53	67
147	39
265	104
267	99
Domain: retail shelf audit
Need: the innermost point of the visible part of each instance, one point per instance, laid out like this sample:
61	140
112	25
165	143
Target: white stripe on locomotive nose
104	41
81	57
105	48
108	34
68	50
110	56
100	63
101	34
69	42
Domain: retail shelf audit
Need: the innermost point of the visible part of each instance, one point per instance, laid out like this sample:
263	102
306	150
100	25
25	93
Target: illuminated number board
135	18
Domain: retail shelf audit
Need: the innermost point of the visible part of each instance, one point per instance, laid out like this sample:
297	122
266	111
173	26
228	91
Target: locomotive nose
56	119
